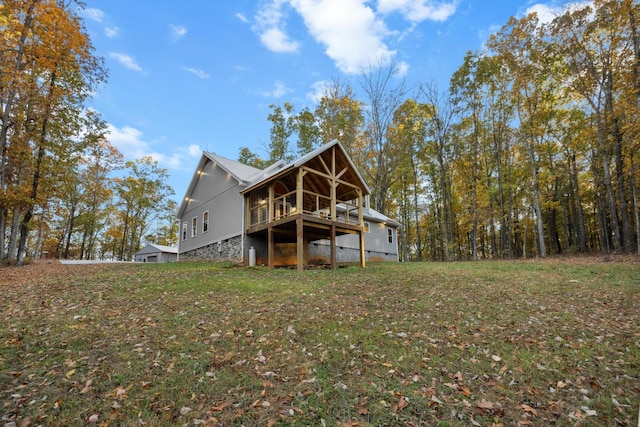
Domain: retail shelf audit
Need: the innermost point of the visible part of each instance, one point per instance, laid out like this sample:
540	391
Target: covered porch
320	196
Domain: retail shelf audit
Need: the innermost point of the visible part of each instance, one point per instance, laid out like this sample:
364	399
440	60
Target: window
194	226
205	222
390	234
367	227
184	231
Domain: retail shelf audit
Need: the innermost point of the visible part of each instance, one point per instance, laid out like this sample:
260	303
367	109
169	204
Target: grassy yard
457	344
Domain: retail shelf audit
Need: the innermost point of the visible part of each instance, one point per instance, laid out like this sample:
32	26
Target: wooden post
300	242
360	208
299	191
334	263
362	258
270	247
334	185
270	214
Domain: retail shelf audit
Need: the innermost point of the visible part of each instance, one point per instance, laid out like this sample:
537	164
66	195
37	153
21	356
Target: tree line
532	150
64	190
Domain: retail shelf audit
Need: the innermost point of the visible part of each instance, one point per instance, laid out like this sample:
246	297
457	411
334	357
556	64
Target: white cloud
547	13
319	89
111	32
270	26
402	69
278	91
94	14
178	31
194	150
125	60
349	29
130	142
241	17
198	72
277	40
419	10
181	158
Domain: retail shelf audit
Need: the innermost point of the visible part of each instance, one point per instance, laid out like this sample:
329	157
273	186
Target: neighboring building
311	211
157	253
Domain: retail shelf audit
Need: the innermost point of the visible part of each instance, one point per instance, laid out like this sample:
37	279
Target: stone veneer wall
321	252
230	250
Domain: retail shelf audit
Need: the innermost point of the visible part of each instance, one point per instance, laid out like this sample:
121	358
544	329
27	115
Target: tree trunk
540	245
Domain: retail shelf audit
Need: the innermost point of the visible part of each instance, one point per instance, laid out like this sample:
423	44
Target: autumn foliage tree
55	158
533	151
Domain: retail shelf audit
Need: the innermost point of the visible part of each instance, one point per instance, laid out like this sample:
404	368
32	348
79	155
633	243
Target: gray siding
218	193
156	257
376	244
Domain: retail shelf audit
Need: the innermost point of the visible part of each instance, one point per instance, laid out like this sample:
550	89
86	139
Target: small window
367	227
390	234
194	226
205	222
184	231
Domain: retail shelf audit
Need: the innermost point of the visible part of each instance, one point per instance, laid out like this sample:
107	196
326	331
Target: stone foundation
225	250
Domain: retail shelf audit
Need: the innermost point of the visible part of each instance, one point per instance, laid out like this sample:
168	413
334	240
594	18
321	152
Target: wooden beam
300	243
324	164
329	177
342	172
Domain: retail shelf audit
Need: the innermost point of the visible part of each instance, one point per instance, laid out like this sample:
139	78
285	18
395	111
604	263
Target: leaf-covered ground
490	344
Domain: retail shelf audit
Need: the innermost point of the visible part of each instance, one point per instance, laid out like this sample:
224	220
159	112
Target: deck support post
270	247
334	263
362	257
300	243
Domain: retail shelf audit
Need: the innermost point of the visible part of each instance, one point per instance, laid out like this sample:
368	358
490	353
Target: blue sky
194	75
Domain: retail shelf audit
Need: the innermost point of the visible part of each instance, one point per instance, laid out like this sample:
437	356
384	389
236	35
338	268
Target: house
157	253
313	210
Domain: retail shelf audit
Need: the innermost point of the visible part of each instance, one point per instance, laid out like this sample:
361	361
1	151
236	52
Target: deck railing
314	204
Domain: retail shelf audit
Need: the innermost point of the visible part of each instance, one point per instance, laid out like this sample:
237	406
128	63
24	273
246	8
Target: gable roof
280	168
250	177
153	248
238	171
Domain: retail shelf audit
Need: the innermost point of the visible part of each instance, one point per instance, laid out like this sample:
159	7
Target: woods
530	151
57	190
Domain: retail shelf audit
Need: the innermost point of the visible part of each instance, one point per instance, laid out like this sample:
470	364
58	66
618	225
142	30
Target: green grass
493	343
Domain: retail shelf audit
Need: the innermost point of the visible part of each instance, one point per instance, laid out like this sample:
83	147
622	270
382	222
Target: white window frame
390	235
205	221
185	227
194	226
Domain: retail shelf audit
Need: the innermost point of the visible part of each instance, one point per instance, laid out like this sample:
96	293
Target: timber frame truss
318	197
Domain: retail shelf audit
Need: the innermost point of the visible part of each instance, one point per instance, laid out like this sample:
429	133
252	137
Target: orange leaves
399	405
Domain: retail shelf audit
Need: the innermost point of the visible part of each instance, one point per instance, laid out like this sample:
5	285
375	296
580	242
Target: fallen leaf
485	404
527	408
399	405
220	407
